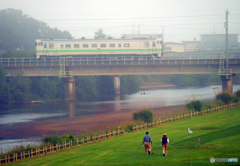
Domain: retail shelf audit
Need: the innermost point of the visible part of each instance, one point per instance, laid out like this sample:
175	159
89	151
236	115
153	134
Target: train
135	47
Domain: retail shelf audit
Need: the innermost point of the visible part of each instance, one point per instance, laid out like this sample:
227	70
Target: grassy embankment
219	134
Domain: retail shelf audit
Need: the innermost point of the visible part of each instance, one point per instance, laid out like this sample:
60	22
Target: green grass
219	134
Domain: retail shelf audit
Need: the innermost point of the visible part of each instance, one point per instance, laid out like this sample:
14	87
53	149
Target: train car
99	47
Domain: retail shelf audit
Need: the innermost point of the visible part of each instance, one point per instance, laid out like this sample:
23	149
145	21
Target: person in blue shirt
147	140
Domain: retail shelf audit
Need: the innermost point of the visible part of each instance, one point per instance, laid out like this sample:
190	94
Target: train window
61	46
41	43
111	45
154	44
146	44
157	42
85	45
76	45
94	45
119	45
51	46
126	45
103	45
36	43
67	45
45	45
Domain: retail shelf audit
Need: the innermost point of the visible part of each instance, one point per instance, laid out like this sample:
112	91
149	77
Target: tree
195	105
86	87
105	85
44	87
124	85
130	84
4	89
145	115
18	53
225	97
100	34
19	88
18	30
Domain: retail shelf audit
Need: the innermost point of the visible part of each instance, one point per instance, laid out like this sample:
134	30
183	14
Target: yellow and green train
98	47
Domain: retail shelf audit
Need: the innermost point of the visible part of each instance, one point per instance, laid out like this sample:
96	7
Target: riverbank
80	125
155	85
26	102
208	138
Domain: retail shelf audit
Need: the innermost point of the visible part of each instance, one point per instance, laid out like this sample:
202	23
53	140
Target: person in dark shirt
147	140
165	142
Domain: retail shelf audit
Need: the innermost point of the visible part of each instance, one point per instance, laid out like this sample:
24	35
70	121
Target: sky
183	20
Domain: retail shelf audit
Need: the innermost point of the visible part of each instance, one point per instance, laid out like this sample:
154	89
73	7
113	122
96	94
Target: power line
86	19
134	13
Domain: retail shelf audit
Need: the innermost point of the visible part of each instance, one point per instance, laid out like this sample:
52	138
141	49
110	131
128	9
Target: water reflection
152	99
117	106
72	109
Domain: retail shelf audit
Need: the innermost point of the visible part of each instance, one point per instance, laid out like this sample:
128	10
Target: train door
146	47
99	47
154	47
55	48
45	48
141	47
52	48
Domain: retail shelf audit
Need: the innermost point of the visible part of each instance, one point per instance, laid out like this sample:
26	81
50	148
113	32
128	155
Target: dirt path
81	125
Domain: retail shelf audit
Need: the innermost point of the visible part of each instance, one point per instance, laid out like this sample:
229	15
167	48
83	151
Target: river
20	114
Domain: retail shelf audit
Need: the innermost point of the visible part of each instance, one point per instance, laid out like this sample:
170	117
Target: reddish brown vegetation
83	125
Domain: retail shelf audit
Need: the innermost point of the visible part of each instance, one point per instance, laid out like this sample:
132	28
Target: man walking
147	140
165	142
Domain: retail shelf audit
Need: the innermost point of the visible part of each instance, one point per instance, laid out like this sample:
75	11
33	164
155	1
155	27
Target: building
213	42
191	45
141	36
171	47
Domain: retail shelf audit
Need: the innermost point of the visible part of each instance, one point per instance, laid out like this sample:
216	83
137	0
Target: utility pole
226	38
162	39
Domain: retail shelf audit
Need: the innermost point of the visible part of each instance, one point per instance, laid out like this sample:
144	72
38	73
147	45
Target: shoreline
156	87
81	125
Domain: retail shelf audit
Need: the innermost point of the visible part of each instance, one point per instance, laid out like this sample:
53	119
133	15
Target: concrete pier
117	85
69	88
227	84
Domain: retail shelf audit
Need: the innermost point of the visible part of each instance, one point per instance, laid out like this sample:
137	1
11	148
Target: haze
183	20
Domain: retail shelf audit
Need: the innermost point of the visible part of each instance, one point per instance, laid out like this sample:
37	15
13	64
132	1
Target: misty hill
18	30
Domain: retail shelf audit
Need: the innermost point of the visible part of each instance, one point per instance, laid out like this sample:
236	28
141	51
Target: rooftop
139	36
216	34
174	43
191	41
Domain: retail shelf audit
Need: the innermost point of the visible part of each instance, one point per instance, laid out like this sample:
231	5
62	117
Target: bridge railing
109	60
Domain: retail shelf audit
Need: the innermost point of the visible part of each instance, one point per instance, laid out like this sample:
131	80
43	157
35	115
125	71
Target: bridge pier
227	84
69	88
117	85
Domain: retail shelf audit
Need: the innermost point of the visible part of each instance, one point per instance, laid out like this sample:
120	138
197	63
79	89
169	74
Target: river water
16	114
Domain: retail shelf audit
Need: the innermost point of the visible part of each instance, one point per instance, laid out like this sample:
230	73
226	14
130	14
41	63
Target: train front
39	48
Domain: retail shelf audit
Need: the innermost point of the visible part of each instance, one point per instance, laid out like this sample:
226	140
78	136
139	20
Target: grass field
219	133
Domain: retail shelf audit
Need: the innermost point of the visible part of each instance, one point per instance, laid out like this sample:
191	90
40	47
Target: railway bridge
69	68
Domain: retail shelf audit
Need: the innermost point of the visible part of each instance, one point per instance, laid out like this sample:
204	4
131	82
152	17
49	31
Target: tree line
19	88
18	31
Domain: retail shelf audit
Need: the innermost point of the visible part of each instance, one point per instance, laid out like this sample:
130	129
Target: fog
183	20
